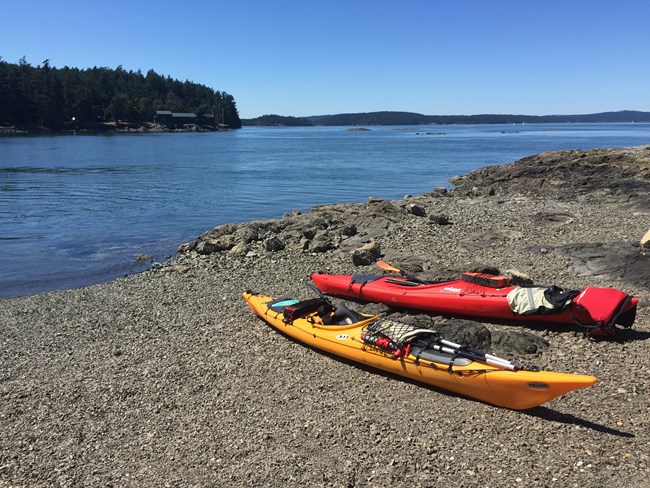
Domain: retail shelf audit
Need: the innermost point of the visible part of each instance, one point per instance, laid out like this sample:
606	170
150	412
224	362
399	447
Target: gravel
165	378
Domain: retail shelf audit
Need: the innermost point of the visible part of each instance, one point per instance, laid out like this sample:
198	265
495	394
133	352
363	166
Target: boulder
506	343
322	242
415	209
187	247
274	244
246	233
348	230
376	220
213	245
466	332
439	219
239	249
366	254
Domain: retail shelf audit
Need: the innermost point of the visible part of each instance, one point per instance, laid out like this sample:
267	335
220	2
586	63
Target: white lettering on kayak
451	289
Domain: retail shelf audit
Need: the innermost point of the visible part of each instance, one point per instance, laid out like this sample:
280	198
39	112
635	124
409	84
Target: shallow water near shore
76	210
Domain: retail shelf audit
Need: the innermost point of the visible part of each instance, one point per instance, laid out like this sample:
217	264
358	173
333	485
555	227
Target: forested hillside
411	118
60	98
277	120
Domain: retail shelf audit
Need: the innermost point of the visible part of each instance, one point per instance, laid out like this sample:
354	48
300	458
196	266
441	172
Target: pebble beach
165	378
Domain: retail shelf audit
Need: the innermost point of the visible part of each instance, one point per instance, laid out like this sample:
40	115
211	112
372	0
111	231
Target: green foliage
45	96
277	120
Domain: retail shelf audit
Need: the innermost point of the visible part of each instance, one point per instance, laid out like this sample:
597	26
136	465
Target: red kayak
488	297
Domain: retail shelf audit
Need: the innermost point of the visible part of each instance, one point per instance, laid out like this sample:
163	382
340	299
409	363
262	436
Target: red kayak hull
455	298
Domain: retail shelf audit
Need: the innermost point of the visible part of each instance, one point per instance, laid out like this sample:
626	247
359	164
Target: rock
466	332
405	261
247	234
209	247
415	209
378	218
322	242
507	343
219	231
611	261
348	230
274	244
565	174
439	219
187	247
239	249
367	254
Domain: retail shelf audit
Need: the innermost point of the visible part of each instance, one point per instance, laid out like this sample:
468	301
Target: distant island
45	98
411	118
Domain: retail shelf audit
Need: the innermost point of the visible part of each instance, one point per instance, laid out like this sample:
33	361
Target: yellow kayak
417	354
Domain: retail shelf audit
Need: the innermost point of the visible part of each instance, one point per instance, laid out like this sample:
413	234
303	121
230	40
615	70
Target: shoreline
166	377
111	127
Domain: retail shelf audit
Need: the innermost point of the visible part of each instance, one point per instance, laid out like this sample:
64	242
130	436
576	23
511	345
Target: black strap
363	279
303	308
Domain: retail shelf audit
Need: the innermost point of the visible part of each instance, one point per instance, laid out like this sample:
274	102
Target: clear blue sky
312	57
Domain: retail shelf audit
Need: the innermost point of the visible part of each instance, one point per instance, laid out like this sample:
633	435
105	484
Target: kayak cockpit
319	310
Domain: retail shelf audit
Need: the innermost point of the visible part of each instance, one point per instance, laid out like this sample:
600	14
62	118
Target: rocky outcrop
346	226
622	174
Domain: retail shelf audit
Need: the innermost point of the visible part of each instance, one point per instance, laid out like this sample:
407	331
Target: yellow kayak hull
516	390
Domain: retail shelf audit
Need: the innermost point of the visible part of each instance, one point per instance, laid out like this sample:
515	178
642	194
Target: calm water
76	210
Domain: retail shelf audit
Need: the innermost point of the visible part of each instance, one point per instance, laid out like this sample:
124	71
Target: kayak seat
343	315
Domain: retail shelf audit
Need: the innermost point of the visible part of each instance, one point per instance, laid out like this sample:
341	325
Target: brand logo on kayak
451	289
342	337
538	386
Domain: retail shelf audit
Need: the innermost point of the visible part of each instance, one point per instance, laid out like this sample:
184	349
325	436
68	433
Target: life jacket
604	305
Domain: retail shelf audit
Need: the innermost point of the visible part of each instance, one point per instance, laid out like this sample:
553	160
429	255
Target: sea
77	210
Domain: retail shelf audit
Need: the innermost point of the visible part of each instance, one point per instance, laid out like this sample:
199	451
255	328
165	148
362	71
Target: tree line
410	118
60	98
277	120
